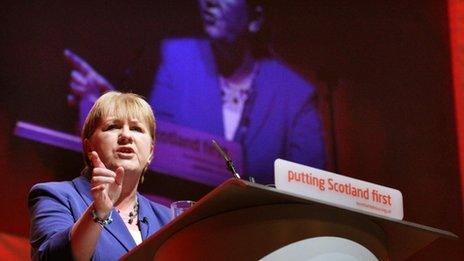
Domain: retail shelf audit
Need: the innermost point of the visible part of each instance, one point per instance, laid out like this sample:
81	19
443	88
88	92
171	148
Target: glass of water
179	207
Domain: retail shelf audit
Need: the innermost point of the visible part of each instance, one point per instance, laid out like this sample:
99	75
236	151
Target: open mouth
208	17
125	150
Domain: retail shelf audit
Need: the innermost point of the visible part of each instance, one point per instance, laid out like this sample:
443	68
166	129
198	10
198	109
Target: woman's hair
119	105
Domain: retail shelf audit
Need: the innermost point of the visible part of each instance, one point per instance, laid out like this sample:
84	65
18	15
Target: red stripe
456	22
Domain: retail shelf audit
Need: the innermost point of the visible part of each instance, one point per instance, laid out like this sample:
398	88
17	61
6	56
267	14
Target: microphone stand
229	163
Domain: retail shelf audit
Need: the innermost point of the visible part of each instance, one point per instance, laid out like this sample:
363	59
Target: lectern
240	220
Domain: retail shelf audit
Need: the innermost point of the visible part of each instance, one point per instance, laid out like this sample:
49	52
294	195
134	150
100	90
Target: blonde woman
100	215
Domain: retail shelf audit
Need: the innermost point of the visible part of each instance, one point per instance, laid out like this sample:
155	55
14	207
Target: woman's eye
111	127
137	128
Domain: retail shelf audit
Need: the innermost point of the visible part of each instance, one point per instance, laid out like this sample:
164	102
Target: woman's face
225	20
122	143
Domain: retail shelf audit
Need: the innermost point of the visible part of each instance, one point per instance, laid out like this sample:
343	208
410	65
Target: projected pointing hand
85	80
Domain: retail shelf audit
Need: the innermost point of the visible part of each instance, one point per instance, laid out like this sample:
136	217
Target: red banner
456	23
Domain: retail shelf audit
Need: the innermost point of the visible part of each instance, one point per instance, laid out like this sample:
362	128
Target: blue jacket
56	206
279	121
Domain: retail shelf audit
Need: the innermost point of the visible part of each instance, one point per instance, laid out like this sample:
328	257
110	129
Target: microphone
229	163
144	220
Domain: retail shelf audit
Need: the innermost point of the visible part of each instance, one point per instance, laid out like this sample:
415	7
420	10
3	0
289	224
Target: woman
100	215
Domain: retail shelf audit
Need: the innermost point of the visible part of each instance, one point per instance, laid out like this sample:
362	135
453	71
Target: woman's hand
85	81
106	186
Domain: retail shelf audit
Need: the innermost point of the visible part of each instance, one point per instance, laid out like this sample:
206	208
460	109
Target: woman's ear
256	19
152	152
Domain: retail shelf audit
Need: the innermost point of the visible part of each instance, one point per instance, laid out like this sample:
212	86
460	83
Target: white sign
334	188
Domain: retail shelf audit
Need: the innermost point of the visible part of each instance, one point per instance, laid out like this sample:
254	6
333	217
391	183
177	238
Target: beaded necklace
133	214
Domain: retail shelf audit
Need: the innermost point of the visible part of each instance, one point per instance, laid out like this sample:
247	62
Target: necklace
234	94
133	214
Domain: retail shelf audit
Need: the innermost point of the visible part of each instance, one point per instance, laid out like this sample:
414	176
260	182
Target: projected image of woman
227	84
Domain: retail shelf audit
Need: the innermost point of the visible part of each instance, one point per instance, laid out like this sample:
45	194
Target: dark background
384	64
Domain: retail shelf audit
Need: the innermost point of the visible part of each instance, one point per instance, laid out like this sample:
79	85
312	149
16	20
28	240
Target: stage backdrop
381	68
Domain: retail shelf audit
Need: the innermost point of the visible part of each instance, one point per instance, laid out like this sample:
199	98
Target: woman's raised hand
106	186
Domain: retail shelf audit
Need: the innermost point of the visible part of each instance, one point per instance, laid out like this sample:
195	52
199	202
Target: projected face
225	20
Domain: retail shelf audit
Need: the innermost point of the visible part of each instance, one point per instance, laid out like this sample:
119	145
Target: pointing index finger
96	162
77	62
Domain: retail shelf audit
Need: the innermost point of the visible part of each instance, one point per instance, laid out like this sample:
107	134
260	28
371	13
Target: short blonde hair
119	105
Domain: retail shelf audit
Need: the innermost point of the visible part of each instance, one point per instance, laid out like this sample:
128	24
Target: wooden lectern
240	220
